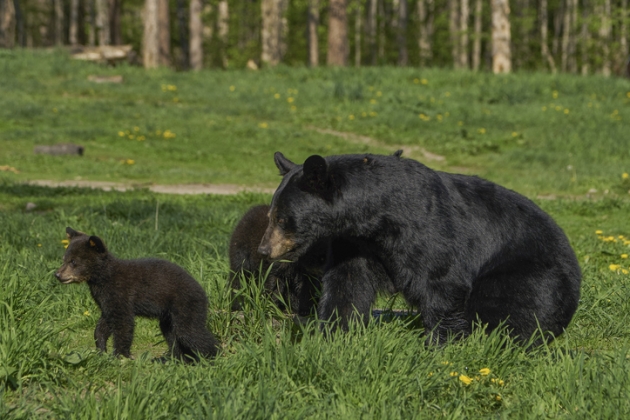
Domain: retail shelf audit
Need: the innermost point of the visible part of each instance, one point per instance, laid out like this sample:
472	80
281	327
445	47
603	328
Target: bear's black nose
264	250
58	276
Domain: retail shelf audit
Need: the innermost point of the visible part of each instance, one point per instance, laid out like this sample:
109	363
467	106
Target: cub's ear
315	178
71	233
283	164
95	243
397	153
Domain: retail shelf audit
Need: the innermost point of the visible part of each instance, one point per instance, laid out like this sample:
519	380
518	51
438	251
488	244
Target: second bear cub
146	287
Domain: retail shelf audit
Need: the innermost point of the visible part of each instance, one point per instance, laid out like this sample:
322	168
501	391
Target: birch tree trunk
102	22
573	37
403	54
91	11
313	40
183	34
371	30
150	41
604	36
7	24
381	31
337	34
623	31
58	22
357	33
195	26
272	31
73	34
585	38
223	29
453	18
566	33
20	24
544	38
463	30
115	32
501	55
476	56
164	33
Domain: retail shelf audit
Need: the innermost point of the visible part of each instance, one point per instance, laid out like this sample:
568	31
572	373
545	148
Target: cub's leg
101	334
123	326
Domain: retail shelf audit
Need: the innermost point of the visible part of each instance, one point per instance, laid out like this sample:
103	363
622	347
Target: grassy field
270	367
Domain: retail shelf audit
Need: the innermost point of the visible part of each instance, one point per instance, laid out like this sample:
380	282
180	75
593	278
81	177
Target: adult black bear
457	247
146	287
288	283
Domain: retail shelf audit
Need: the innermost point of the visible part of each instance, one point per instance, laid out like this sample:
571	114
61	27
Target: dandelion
379	93
625	175
598	232
624	256
460	123
484	371
446	114
424	117
290	100
168	134
416	81
232	88
544	108
447	94
277	96
175	99
131	137
172	88
498	397
446	363
482	131
364	114
554	94
351	117
439	117
141	138
558	108
121	133
628	94
465	379
130	161
86	313
158	132
65	243
263	125
424	81
430	374
373	101
566	110
293	107
497	381
39	245
453	374
373	114
136	129
614	267
7	168
609	239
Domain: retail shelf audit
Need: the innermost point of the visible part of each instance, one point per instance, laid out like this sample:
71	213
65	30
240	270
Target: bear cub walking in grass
147	287
295	284
457	247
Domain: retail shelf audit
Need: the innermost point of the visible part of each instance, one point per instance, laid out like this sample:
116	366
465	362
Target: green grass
228	124
269	367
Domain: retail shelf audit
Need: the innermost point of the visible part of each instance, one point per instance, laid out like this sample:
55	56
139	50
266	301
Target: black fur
457	247
146	287
294	283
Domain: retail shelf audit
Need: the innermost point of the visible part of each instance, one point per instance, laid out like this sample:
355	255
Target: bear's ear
95	243
315	178
283	164
71	233
398	153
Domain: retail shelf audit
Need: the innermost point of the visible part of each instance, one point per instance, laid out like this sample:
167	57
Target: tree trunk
272	31
196	35
115	32
337	34
150	41
623	31
453	27
566	34
183	34
357	33
476	57
73	34
463	30
403	54
20	25
102	22
585	38
58	22
501	55
544	38
573	38
91	11
313	40
164	33
223	29
371	30
381	31
7	24
604	36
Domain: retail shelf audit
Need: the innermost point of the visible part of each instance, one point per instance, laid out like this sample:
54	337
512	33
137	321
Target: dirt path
222	189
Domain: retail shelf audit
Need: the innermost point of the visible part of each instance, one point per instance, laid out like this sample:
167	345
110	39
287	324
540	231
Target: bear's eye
73	263
281	222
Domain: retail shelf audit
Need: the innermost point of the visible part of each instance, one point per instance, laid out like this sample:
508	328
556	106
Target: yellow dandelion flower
158	132
364	114
465	379
566	110
416	81
624	271
373	101
514	134
544	108
168	134
131	137
438	117
628	94
625	175
379	93
424	81
373	114
121	133
172	88
485	371
447	94
232	88
263	125
554	94
290	100
482	131
277	96
624	256
141	138
453	374
293	107
86	313
446	114
430	374
39	245
460	123
498	397
65	243
351	117
598	232
614	267
136	129
446	363
175	99
130	162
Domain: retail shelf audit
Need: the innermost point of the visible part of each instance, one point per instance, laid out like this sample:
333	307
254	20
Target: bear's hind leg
123	334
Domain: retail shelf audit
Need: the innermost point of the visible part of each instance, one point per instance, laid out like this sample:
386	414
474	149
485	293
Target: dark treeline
575	36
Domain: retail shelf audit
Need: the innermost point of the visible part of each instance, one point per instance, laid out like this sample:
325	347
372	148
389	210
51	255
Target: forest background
576	36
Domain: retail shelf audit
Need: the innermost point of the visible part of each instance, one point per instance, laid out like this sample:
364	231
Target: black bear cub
288	283
457	247
147	287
